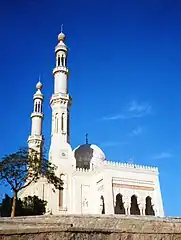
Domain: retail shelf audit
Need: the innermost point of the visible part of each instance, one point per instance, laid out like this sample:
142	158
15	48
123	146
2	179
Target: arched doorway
149	207
102	205
119	208
134	210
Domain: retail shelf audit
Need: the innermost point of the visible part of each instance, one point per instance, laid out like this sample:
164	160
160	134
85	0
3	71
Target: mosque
91	183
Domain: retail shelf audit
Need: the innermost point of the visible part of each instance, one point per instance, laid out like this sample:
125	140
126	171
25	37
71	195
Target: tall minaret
36	140
60	151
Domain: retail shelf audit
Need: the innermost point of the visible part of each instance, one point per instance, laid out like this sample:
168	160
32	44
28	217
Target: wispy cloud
140	109
114	117
113	144
135	110
162	155
137	131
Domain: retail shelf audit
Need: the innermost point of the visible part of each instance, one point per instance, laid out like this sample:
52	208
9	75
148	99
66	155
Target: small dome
87	155
61	36
39	85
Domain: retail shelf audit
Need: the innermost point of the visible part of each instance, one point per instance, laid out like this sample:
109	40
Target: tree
33	206
29	206
6	205
20	169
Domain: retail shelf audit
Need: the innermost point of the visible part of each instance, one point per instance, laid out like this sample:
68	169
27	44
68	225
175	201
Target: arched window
39	107
62	122
56	122
58	61
102	205
36	107
62	60
119	208
134	210
61	190
149	207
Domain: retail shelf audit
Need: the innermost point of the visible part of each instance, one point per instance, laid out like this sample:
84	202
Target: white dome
39	85
61	36
87	155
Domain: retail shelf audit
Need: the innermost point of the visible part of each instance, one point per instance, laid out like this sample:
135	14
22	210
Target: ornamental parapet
130	166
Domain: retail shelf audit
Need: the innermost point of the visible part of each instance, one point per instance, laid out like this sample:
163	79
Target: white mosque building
91	183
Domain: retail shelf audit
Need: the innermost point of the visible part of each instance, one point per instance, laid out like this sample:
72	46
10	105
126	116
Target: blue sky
125	78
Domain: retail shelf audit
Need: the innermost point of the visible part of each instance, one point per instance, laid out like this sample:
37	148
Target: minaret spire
36	140
86	138
62	27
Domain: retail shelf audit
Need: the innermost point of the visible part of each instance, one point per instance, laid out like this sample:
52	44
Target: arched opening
119	208
39	106
36	107
56	123
62	60
58	61
102	205
134	210
62	122
61	189
149	207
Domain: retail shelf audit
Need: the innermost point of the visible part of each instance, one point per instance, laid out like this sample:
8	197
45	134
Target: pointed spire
61	27
86	138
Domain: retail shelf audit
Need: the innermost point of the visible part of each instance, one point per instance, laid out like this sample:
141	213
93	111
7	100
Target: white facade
91	184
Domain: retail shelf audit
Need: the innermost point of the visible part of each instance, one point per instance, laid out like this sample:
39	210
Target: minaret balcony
37	114
60	69
56	97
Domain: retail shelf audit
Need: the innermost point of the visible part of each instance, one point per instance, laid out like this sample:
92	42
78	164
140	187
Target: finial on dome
39	85
86	138
61	36
62	27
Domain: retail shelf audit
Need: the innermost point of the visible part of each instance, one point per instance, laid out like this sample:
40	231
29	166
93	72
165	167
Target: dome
88	155
61	36
39	85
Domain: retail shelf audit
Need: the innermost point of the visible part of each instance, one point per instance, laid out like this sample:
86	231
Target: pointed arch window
119	208
102	205
39	107
58	60
56	123
62	60
134	210
36	107
62	122
61	190
149	207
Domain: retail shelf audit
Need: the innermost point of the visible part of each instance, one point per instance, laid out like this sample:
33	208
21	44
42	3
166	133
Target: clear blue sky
125	78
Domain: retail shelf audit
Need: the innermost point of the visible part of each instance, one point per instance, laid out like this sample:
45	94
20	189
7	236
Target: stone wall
90	227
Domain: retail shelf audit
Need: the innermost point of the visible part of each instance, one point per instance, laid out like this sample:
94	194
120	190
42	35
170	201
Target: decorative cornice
136	187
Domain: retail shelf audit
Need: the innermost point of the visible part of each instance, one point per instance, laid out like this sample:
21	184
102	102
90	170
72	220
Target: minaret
36	140
60	151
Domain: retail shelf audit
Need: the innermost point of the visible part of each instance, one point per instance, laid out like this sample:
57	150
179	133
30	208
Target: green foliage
29	206
6	206
25	166
20	169
33	206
